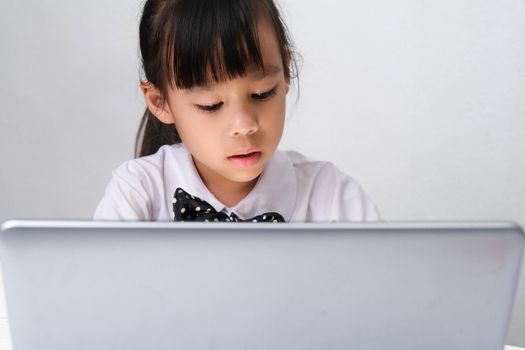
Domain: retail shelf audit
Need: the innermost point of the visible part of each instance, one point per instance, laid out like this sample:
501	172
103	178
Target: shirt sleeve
340	198
125	199
355	204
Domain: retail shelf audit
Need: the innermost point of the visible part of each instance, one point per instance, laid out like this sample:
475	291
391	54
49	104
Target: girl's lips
246	160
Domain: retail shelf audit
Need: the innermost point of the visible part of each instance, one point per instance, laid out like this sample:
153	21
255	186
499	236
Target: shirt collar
275	190
190	180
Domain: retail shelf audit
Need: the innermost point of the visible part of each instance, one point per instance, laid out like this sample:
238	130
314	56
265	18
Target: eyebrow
256	74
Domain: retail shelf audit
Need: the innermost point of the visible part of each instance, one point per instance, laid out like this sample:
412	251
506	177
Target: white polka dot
275	221
198	209
227	220
216	220
174	200
264	217
208	210
180	191
183	210
254	220
206	220
192	197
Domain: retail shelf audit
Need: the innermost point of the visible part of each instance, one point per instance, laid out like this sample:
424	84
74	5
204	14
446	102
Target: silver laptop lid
89	285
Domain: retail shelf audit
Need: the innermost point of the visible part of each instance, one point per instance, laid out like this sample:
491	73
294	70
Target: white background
423	102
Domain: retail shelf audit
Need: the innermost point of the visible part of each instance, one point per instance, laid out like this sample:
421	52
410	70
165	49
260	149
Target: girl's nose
244	122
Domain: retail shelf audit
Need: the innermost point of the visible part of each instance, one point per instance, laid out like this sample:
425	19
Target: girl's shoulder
327	192
154	174
137	189
154	164
311	168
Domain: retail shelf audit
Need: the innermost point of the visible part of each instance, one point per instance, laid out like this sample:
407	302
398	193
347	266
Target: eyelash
264	95
209	108
257	97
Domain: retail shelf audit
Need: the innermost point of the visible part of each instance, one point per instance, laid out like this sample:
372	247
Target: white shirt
300	189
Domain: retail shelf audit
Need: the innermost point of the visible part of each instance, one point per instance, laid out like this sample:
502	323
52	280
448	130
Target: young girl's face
232	128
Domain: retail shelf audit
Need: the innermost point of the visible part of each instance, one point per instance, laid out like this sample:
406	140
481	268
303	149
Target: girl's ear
156	103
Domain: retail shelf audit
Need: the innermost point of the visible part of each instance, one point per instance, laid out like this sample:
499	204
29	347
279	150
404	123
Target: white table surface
5	338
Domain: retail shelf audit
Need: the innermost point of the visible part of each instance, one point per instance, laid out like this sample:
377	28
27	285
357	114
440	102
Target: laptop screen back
87	285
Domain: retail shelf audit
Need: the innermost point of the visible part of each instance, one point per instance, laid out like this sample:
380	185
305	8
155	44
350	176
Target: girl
217	75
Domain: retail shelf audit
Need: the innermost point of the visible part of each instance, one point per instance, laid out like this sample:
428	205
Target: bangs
210	41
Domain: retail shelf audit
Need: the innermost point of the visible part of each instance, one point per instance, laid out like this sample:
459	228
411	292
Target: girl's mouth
245	160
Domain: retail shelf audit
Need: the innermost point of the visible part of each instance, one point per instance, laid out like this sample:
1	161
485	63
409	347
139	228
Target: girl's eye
260	96
264	95
210	108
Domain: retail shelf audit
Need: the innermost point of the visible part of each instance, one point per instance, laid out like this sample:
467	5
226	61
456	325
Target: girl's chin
245	175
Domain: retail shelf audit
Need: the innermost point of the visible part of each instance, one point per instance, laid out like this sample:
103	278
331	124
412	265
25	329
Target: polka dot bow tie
190	208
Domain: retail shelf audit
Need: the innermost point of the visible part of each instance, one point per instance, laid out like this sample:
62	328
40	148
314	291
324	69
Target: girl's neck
230	194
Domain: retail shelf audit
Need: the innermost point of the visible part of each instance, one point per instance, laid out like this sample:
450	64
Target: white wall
418	100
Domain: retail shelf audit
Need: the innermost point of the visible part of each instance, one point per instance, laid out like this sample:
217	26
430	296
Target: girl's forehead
273	68
253	74
252	58
269	49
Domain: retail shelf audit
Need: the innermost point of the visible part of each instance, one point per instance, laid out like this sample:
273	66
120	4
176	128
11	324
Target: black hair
187	43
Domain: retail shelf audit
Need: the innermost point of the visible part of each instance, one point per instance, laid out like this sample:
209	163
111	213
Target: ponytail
153	134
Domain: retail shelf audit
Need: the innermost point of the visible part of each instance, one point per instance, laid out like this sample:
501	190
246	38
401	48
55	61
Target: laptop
195	286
